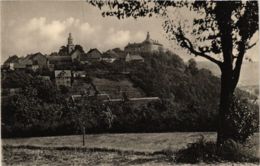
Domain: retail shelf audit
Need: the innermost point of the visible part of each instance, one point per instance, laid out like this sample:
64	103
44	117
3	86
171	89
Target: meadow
103	149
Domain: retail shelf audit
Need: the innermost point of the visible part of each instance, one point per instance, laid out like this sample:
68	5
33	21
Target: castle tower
70	44
148	36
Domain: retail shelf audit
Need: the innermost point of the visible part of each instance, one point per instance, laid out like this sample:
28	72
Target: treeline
189	102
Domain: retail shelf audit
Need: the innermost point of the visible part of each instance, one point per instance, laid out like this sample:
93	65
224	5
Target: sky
43	26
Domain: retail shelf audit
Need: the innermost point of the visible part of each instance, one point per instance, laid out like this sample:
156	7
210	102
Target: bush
197	152
243	119
234	151
202	151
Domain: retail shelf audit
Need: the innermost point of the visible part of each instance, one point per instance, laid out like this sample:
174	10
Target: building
10	62
79	74
84	59
147	46
44	78
70	44
76	55
94	55
110	56
81	86
133	58
59	61
31	61
36	59
62	78
136	102
65	59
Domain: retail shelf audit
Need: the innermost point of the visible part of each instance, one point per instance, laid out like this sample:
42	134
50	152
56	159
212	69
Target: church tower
70	45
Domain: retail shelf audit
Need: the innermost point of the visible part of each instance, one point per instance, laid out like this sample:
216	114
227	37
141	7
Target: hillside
185	98
115	88
249	73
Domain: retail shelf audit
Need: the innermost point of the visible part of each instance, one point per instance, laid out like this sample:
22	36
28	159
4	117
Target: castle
147	46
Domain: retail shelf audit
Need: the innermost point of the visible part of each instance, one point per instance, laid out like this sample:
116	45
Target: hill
189	98
249	72
115	88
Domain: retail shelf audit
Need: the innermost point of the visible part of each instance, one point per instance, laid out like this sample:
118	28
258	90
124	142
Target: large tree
221	32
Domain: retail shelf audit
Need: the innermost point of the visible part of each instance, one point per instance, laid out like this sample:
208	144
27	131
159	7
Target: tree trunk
83	136
225	101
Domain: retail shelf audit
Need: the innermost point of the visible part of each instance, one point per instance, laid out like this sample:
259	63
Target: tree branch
187	44
250	46
238	65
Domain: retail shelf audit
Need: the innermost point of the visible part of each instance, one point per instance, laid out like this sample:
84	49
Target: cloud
118	38
40	34
86	29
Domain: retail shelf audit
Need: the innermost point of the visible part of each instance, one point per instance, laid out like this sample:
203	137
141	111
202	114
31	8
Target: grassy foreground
103	149
144	142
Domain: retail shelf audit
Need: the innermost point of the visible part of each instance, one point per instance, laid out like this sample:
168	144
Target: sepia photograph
129	82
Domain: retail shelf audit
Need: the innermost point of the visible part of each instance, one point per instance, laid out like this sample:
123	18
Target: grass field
101	149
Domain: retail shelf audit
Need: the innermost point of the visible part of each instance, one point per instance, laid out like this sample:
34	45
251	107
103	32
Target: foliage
15	79
221	33
192	66
80	48
29	115
46	91
200	151
64	89
63	51
243	119
203	151
90	114
189	101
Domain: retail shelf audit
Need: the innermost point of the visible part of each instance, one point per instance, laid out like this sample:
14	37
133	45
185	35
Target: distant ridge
249	72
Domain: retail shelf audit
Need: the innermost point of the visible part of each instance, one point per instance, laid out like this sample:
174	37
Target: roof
110	54
76	51
12	59
134	57
134	45
19	66
151	41
83	57
103	97
94	54
119	52
32	56
25	61
135	99
148	40
62	73
59	58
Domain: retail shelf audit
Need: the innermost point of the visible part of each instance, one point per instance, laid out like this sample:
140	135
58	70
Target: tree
89	113
222	28
80	48
46	91
192	66
63	51
16	79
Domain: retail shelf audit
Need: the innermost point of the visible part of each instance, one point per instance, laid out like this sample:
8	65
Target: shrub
197	152
202	151
234	151
243	119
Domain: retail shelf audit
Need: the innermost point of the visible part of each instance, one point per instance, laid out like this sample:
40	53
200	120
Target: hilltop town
72	54
70	67
145	86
